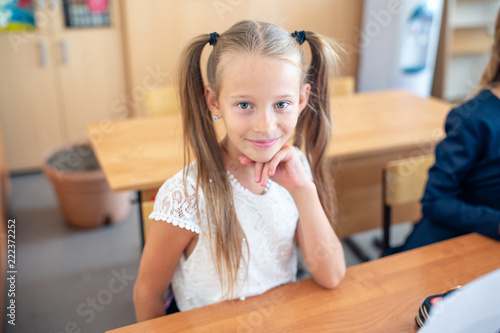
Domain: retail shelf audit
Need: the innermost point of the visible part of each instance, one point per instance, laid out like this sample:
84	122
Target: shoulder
482	106
177	180
176	200
474	115
176	183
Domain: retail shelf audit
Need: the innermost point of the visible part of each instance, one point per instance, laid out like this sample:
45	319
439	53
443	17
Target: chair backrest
147	204
403	183
147	209
405	179
161	101
342	86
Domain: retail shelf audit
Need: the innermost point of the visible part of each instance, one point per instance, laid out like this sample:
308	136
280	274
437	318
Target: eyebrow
248	96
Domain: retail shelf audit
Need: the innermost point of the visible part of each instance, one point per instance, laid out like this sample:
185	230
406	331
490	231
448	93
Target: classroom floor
83	279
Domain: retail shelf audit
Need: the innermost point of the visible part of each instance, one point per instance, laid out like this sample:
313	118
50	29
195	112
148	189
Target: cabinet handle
42	48
64	52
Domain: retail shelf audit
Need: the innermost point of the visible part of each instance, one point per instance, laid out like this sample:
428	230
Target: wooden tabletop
141	153
378	296
368	124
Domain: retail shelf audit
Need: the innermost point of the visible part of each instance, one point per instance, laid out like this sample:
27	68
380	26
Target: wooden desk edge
466	239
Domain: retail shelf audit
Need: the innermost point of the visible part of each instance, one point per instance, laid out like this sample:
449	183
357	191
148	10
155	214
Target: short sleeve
173	206
305	163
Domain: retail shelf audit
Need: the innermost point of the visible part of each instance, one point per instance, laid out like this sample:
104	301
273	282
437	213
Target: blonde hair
313	127
491	75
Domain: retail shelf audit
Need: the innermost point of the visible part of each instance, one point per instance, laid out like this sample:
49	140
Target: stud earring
216	117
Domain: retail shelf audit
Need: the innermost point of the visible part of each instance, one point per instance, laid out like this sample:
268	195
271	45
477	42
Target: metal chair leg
358	251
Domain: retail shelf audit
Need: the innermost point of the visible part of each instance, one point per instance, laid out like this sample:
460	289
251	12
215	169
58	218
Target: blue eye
282	105
244	106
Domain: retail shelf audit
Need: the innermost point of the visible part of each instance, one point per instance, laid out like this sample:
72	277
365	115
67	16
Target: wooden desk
378	296
369	130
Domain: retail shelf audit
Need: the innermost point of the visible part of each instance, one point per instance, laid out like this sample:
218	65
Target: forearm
459	215
321	248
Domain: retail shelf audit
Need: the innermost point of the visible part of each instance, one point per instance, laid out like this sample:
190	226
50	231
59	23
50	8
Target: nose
264	122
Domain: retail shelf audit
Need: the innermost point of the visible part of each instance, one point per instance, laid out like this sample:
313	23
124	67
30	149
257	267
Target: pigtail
199	132
315	123
491	75
200	139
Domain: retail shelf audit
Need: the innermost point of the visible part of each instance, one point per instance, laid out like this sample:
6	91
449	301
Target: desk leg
139	199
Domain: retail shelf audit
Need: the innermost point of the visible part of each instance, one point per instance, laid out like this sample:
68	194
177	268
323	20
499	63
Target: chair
146	203
161	101
403	181
342	86
147	209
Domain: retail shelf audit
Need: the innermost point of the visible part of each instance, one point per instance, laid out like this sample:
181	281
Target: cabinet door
29	110
92	78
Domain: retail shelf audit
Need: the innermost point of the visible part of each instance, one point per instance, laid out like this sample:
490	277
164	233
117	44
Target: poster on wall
86	13
16	15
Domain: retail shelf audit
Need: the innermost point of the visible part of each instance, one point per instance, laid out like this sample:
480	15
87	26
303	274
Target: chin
262	159
262	156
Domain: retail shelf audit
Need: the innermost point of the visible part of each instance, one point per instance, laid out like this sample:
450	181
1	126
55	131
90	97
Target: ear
304	96
211	100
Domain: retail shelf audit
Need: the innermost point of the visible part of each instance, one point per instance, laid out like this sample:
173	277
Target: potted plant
84	195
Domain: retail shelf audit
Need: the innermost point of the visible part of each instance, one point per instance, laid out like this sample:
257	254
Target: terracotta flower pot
84	195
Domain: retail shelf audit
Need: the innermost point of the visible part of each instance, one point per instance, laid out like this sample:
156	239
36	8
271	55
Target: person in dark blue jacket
462	194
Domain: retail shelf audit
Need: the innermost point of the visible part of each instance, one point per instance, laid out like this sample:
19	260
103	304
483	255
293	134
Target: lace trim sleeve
172	206
305	163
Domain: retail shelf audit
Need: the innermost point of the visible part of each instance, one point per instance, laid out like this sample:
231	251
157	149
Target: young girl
463	190
225	227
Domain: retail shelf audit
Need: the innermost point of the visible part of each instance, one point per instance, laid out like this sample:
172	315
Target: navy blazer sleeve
456	156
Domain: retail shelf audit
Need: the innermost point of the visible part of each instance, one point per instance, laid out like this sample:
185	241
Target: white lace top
269	222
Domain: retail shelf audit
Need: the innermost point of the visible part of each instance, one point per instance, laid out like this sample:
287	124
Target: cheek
289	124
235	126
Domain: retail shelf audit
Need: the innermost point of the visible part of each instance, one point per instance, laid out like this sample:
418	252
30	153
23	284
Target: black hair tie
213	38
300	36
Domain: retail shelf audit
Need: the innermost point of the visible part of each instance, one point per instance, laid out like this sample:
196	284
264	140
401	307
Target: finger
273	164
265	175
258	171
281	156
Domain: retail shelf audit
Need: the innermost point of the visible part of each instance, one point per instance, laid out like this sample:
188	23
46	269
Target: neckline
237	184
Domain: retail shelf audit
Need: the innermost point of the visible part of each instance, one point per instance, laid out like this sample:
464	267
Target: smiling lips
263	143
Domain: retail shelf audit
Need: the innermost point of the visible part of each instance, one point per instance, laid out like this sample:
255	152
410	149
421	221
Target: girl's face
259	101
